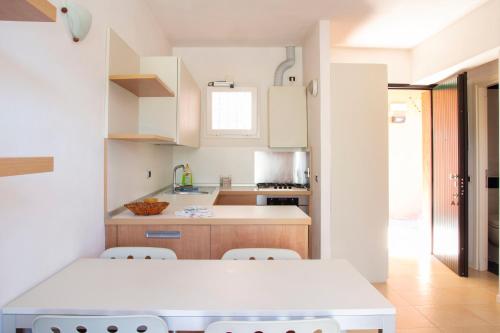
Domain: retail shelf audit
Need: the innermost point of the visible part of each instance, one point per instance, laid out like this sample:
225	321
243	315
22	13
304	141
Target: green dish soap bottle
187	176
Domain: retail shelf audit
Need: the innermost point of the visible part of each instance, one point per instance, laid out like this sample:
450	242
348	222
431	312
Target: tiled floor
429	298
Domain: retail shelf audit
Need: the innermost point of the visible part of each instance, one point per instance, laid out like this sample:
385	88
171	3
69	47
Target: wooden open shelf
146	138
143	85
14	166
27	10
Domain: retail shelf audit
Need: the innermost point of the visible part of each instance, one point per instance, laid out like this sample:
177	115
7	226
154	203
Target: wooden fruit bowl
147	208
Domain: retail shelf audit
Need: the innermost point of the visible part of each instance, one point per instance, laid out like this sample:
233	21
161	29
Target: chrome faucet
175	185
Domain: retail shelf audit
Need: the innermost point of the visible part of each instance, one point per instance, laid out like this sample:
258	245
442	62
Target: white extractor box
287	117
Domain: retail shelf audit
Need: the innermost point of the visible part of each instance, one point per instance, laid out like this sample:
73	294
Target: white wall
398	61
250	66
52	92
359	185
316	67
477	77
470	41
128	166
209	163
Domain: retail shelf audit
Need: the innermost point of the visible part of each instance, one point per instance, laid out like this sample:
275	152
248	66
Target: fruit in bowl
150	200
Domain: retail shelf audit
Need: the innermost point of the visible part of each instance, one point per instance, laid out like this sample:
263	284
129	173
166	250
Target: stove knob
275	187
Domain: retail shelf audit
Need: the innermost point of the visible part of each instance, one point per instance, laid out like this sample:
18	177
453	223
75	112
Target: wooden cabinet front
188	242
226	237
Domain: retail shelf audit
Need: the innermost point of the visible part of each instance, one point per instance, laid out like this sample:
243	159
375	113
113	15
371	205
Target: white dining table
190	294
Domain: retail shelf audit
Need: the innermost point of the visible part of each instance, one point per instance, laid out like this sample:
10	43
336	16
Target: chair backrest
138	253
261	254
99	324
324	325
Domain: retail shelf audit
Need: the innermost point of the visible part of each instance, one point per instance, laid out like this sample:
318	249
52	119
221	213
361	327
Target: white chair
261	254
99	324
138	253
324	325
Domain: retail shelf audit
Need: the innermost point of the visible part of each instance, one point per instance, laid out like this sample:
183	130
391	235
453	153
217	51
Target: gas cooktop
282	186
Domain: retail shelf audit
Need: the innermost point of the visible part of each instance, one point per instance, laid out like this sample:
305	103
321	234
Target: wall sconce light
312	87
78	20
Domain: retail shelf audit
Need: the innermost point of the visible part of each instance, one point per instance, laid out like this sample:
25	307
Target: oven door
276	200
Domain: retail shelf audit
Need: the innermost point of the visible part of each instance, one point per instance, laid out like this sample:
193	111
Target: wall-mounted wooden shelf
143	85
14	166
27	10
146	138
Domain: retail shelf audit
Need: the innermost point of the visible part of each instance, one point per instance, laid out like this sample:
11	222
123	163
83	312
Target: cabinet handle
163	234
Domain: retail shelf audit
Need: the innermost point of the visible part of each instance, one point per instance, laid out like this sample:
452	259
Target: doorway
410	179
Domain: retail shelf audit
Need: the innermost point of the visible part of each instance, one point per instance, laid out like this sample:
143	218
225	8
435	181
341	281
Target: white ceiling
355	23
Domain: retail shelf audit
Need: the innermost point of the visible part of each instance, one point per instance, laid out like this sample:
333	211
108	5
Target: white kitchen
173	165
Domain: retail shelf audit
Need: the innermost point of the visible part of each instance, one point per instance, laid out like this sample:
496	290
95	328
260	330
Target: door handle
163	234
455	178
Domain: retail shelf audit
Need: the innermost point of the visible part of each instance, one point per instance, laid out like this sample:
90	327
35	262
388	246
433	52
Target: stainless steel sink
197	191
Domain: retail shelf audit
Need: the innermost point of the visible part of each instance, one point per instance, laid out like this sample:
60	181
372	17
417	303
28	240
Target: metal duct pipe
288	63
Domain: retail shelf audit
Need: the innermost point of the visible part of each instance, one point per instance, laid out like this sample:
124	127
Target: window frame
232	133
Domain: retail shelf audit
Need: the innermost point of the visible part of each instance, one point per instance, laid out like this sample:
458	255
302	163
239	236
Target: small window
232	111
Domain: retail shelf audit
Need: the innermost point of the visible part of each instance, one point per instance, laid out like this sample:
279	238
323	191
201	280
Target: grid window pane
231	110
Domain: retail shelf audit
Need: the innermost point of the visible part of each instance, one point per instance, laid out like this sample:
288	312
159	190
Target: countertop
220	214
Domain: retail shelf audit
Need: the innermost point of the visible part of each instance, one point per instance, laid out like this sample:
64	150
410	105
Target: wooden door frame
479	200
463	163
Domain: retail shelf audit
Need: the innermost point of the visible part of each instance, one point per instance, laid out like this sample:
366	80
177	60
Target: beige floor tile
419	330
392	296
451	316
430	298
488	312
448	296
409	317
422	297
476	329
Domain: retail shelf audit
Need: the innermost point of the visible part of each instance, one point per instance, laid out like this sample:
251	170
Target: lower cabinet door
188	242
226	237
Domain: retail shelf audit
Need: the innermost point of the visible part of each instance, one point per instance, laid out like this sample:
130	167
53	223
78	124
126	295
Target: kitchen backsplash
246	165
281	167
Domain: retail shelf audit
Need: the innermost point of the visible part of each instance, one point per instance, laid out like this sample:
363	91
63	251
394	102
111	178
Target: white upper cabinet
287	117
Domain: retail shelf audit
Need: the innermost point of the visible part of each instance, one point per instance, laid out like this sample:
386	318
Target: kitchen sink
195	190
